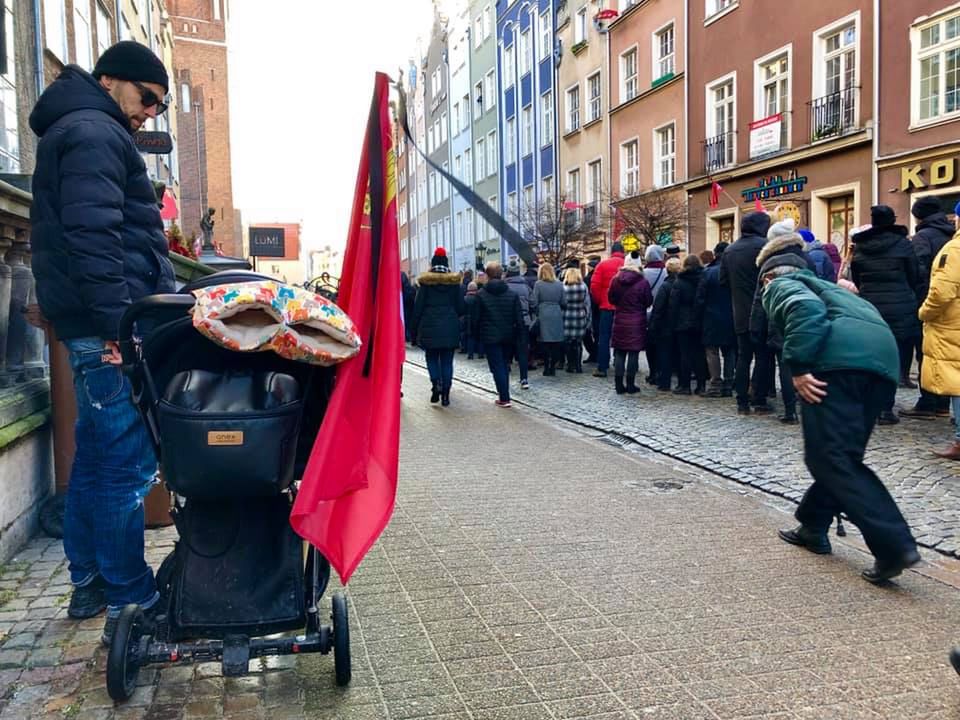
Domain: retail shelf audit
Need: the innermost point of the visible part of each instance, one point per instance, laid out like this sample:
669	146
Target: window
628	75
580	26
216	9
185	97
490	89
630	168
83	37
456	117
458	167
524	52
443	128
573	108
465	113
546	35
478	36
936	49
774	84
445	186
548	191
720	147
665	53
594	188
573	191
402	215
467	167
526	131
492	202
478	97
528	196
718	6
593	92
510	144
841	219
665	163
481	159
546	116
627	4
125	32
468	227
430	139
508	67
511	207
492	160
55	26
487	23
103	30
834	108
446	231
9	129
458	229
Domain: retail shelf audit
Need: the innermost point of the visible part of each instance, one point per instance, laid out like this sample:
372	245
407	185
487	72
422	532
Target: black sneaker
813	540
888	418
763	409
88	601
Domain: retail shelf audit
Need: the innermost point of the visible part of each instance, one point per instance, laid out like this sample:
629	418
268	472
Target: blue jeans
440	367
113	470
497	360
603	343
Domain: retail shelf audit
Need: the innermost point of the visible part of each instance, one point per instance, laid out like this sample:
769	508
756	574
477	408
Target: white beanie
779	229
632	259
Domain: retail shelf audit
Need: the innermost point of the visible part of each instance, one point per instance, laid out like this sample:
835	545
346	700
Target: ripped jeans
113	470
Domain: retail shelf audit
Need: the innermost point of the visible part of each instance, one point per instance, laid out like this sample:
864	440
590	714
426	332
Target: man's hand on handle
111	353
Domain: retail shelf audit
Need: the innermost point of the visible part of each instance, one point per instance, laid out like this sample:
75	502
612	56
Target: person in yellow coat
940	314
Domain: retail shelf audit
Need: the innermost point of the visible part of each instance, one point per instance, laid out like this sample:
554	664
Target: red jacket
602	277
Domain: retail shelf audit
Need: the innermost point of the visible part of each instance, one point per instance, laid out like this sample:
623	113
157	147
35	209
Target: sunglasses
149	98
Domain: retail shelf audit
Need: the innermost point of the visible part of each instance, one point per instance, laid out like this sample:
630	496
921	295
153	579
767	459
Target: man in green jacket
845	366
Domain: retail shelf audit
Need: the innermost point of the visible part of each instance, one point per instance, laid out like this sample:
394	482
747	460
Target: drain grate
616	440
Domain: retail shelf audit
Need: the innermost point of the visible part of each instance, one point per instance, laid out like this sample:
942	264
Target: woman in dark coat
686	326
630	295
436	323
715	310
659	329
886	271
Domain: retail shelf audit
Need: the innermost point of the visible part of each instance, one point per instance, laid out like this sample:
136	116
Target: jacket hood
438	278
876	240
938	221
629	276
74	89
756	223
495	286
781	244
654	253
690	274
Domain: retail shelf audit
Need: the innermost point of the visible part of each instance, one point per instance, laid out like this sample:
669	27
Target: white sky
301	80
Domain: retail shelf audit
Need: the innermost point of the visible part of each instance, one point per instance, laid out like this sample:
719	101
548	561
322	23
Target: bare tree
557	229
650	216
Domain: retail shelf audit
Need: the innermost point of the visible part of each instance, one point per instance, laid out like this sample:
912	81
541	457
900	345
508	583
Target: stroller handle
137	310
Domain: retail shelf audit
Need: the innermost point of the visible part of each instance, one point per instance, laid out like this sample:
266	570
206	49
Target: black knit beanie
128	60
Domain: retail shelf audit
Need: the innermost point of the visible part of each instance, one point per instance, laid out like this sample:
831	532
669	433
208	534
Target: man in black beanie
99	245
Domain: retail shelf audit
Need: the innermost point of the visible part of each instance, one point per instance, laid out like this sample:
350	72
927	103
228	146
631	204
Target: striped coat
576	315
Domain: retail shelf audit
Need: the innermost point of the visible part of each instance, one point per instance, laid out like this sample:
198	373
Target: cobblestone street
755	450
511	584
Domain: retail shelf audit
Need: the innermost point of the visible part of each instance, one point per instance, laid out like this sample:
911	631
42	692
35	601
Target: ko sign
266	242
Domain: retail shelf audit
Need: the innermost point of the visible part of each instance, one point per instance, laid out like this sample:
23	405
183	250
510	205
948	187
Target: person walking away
408	295
436	323
590	338
845	365
816	252
98	246
547	302
738	272
715	310
934	231
576	317
886	271
474	346
833	252
467	278
686	326
631	296
498	320
521	350
940	313
655	273
599	287
659	330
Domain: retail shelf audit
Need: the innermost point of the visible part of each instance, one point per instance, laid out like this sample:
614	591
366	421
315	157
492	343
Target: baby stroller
232	430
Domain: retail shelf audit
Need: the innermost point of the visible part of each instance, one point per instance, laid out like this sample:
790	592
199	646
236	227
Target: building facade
460	105
527	107
784	119
200	30
437	116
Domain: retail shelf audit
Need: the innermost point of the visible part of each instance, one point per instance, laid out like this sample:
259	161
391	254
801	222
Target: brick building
200	65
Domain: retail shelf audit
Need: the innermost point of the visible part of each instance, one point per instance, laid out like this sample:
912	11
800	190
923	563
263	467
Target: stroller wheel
341	640
123	662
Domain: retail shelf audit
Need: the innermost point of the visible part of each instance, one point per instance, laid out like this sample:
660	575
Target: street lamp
480	250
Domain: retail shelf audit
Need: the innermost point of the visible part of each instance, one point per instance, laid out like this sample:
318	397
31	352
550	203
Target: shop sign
940	172
765	135
787	210
774	186
266	242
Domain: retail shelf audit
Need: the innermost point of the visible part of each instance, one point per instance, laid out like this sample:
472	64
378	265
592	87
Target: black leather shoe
762	410
955	659
435	393
813	540
88	601
888	418
887	569
788	418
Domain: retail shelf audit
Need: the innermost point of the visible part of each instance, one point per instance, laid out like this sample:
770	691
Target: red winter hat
439	259
440	252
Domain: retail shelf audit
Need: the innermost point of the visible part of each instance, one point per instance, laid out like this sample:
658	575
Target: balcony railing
719	152
833	115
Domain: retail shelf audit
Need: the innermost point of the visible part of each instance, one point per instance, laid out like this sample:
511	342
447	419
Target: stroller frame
136	642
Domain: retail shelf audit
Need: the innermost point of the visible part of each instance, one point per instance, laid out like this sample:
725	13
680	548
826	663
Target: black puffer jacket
683	301
885	270
97	237
658	328
932	234
498	315
437	311
738	267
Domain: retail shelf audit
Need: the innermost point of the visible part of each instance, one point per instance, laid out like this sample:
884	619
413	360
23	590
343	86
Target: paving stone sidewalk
754	450
531	572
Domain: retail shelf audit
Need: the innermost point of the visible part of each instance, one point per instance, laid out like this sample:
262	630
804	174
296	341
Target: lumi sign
266	242
940	172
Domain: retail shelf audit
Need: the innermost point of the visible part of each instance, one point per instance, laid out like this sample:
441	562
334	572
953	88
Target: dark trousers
440	367
721	377
552	355
787	392
474	346
651	353
906	348
626	361
693	362
603	343
574	356
835	436
748	351
521	351
665	360
591	338
497	356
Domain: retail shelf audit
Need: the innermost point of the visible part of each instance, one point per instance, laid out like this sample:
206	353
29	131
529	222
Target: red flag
619	223
758	206
350	483
715	195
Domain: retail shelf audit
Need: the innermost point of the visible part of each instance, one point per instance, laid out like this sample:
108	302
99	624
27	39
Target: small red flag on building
715	195
349	487
758	206
619	223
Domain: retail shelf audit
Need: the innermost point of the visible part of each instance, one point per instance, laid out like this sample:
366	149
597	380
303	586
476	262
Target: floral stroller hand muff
232	377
